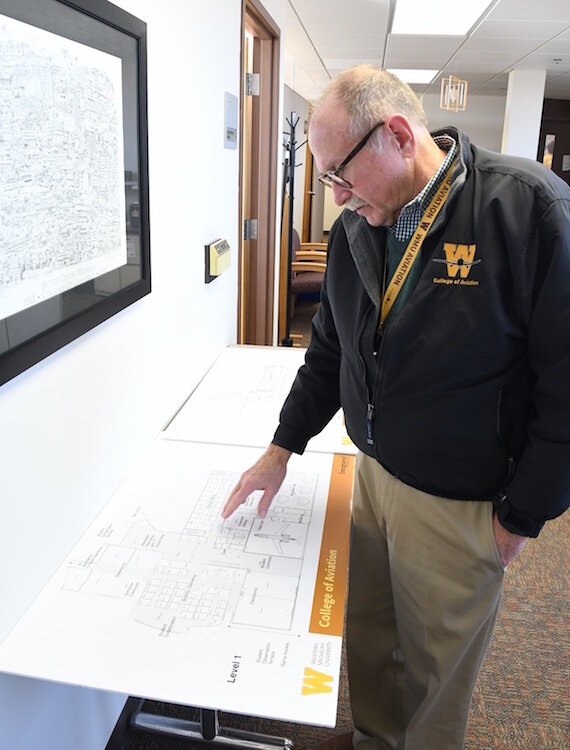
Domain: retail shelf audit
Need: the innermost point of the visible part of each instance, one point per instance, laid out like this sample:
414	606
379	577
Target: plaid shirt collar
412	212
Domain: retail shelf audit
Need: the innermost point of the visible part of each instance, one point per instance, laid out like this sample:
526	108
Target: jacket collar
367	244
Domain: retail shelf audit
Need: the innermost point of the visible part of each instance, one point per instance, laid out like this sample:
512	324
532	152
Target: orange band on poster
327	616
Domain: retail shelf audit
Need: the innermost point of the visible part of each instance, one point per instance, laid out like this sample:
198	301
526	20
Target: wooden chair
308	266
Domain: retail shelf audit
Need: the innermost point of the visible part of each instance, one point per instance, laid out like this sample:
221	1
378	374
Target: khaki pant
425	587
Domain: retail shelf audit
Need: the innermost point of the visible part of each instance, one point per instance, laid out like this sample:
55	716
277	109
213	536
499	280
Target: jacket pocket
492	542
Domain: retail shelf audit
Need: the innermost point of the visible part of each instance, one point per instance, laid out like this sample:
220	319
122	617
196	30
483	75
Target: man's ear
403	132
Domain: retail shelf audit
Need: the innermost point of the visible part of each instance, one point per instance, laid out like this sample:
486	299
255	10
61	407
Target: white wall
523	113
72	426
482	120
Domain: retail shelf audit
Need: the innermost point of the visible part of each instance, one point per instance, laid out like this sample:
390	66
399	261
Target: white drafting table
162	599
239	399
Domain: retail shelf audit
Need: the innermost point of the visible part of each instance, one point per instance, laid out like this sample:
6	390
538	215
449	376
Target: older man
444	333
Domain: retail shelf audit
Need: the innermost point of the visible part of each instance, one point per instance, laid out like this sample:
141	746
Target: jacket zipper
370	423
375	350
369	400
509	457
371	397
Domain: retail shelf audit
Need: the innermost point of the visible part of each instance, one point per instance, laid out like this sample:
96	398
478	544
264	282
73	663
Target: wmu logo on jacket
459	259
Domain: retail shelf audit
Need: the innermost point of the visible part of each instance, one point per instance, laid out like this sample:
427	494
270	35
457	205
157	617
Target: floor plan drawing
208	573
162	598
244	409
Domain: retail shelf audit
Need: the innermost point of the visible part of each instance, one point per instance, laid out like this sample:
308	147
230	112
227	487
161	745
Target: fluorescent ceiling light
410	75
453	19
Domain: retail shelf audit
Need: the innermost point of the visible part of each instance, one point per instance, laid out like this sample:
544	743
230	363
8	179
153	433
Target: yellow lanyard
412	251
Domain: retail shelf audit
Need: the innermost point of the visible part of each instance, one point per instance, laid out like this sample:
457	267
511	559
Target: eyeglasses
333	175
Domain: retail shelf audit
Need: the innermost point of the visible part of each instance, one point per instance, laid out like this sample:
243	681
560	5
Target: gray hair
370	94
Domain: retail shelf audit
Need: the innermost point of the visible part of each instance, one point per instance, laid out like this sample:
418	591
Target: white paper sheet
239	400
162	599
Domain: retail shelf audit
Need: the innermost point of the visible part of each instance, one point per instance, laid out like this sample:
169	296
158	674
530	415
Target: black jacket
470	386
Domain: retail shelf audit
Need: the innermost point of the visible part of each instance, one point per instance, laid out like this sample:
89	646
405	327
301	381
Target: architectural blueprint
204	574
62	203
162	598
239	400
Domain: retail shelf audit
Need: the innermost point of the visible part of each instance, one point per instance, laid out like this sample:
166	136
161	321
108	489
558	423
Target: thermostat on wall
217	257
230	120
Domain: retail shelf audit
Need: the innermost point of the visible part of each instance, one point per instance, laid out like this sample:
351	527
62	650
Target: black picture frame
29	333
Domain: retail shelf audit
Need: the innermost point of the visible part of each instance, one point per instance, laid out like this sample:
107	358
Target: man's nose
340	194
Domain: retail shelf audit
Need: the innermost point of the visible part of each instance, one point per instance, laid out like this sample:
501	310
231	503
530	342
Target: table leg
208	730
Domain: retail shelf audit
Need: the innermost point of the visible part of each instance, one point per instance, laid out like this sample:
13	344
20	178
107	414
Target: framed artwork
74	213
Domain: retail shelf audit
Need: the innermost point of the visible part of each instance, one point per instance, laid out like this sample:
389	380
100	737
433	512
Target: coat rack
290	145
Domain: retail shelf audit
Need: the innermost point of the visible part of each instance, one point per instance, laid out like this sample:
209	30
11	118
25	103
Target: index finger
237	496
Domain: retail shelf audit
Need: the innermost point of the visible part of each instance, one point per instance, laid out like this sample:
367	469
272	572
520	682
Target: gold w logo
316	682
459	259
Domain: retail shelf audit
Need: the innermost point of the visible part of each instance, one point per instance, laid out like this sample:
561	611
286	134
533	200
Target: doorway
258	174
554	141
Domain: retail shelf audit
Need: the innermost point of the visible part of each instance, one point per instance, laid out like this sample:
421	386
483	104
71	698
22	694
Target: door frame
258	177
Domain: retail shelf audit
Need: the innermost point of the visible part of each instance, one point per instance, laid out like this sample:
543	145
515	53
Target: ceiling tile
332	35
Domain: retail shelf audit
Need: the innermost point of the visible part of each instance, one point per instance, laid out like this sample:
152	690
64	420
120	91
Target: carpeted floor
521	699
522	696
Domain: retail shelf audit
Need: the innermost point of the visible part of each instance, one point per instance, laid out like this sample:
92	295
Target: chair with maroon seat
308	266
